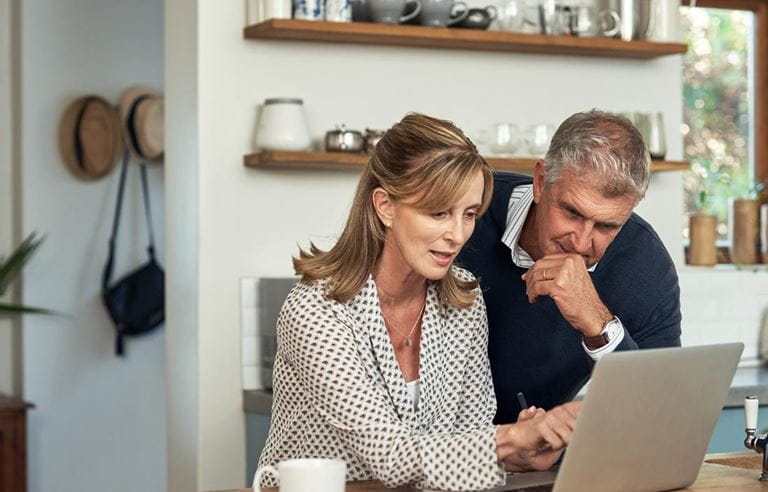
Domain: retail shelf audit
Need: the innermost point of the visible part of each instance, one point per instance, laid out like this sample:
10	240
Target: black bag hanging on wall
136	302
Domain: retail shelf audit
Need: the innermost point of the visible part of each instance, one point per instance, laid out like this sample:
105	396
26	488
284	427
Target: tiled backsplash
723	306
718	306
260	301
248	321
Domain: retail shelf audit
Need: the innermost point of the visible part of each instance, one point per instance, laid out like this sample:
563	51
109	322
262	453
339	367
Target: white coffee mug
301	475
276	9
264	10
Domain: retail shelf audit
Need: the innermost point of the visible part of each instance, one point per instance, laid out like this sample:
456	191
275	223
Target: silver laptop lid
647	419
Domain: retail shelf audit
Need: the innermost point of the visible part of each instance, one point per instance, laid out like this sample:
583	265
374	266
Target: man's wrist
596	326
607	334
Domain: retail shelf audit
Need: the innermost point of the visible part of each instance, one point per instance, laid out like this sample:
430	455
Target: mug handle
492	12
413	14
261	471
613	15
463	15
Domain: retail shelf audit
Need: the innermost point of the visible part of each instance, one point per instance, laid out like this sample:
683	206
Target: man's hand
565	279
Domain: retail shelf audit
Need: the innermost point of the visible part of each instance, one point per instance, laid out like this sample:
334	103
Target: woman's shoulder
462	274
307	311
308	295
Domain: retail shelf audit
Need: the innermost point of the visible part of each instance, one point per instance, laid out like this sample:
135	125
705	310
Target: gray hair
601	145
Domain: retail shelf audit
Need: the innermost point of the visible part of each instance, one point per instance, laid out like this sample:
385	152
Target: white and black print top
339	393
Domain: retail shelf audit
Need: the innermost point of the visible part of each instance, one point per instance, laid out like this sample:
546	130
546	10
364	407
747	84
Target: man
568	271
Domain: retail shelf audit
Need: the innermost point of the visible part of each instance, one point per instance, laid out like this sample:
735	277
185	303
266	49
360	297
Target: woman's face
426	243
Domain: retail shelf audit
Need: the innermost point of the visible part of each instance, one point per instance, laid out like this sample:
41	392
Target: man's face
572	216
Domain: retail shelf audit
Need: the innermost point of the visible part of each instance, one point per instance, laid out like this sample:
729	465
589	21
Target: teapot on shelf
479	18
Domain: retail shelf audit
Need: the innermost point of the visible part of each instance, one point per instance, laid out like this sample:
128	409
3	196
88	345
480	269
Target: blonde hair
422	156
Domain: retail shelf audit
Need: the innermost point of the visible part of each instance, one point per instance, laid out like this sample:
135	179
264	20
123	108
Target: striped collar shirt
519	205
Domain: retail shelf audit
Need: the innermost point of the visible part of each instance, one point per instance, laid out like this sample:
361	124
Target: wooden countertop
739	475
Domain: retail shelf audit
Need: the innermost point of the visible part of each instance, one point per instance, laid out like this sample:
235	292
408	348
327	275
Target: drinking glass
538	137
552	17
651	127
511	15
505	139
657	145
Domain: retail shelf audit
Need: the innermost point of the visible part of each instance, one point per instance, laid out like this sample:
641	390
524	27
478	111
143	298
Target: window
724	104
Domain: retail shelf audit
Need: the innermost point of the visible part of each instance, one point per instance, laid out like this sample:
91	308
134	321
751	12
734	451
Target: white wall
7	239
250	221
99	421
182	295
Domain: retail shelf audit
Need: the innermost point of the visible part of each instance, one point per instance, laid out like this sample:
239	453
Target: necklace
407	341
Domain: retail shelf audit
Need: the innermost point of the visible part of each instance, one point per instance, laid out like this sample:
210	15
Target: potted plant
702	224
744	223
11	267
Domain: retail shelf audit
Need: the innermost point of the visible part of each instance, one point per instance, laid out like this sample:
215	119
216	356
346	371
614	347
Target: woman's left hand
529	413
538	438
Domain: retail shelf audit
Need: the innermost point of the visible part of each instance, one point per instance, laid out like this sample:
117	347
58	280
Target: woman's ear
384	206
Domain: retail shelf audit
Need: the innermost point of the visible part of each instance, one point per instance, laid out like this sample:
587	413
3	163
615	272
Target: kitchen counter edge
747	381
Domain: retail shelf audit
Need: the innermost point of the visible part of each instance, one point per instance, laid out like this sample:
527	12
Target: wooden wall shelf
350	161
455	38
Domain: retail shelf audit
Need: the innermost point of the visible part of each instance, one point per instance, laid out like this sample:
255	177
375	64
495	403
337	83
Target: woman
381	353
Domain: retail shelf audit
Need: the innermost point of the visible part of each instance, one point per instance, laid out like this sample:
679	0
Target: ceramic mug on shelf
587	21
338	10
301	475
391	11
263	10
309	9
440	13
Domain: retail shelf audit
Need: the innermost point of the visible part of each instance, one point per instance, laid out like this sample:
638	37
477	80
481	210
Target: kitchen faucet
753	440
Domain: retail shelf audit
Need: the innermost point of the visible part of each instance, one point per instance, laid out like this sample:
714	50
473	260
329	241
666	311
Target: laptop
647	419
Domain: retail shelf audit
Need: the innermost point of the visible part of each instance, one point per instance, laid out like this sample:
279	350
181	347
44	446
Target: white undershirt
414	390
519	206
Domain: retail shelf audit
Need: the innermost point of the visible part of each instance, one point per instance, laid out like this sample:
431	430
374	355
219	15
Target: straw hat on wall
90	138
142	113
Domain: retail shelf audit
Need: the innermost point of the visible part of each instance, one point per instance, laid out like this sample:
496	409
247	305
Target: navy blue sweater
532	348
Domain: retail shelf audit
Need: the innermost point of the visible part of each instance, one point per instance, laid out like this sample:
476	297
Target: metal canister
372	137
343	140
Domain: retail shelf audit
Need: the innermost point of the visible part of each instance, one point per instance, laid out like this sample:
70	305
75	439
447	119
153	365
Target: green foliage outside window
717	112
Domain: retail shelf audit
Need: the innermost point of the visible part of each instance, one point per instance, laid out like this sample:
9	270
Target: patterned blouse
339	393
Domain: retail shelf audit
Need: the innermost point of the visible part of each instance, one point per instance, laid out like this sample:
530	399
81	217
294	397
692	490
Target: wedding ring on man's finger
544	275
